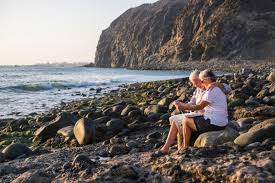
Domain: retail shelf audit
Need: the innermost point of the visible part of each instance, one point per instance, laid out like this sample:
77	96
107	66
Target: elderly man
176	120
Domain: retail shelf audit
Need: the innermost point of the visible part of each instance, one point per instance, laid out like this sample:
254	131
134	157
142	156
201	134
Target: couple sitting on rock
210	106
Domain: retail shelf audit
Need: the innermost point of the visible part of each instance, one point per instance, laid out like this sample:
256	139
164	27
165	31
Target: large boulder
258	135
84	131
216	137
13	151
49	130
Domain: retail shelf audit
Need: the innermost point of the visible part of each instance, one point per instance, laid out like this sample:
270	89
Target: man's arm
191	107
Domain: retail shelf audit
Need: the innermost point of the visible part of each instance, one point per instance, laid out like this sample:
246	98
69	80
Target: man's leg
170	138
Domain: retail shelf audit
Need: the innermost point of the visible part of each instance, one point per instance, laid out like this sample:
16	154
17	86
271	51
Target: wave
58	85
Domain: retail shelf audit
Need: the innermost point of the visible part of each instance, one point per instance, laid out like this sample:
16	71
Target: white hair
194	74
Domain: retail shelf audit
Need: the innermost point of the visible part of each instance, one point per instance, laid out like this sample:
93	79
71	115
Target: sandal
158	154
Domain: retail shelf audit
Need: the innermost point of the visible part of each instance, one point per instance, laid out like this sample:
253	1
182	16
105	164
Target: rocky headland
175	33
110	138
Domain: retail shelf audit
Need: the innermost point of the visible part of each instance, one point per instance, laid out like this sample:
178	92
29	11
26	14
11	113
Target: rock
253	103
245	123
116	150
13	151
49	130
135	113
83	162
128	109
115	125
33	177
2	157
271	76
165	101
155	109
245	174
214	138
154	117
132	144
258	135
67	131
84	131
84	112
118	108
268	111
235	103
263	93
263	124
154	135
102	120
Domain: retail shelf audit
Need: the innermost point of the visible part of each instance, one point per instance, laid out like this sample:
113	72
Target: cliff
174	31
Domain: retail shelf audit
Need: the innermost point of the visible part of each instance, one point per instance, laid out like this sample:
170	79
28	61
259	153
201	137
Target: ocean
26	90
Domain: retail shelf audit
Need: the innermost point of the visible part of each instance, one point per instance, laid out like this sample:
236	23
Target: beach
131	122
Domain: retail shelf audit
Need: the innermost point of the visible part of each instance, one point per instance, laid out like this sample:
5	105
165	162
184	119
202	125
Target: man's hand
179	105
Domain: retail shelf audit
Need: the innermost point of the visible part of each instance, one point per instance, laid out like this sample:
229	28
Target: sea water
26	90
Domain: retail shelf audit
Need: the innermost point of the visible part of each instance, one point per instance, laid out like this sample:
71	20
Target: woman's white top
216	111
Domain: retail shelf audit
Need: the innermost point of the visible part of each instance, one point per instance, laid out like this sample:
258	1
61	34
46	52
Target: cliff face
172	31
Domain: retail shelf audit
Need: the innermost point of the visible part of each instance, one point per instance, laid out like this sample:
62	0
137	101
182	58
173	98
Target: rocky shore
110	139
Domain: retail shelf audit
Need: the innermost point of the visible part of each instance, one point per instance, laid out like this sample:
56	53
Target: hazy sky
39	31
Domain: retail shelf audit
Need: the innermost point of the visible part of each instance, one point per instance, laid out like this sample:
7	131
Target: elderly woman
209	101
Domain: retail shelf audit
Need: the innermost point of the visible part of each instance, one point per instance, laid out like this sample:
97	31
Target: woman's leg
170	138
188	126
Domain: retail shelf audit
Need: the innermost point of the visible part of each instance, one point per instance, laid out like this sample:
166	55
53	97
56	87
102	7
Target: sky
49	31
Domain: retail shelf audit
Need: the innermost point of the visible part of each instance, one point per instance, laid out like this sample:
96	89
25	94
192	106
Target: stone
33	177
271	76
132	144
154	135
2	157
115	125
245	174
49	130
134	113
83	162
258	135
154	117
267	111
128	109
116	150
253	103
67	131
102	120
155	109
84	131
245	123
263	124
118	108
15	150
165	101
235	103
214	138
